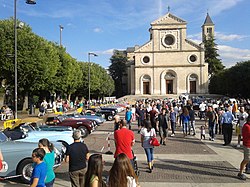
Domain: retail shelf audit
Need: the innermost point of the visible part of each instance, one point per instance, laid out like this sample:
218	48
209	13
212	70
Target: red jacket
246	135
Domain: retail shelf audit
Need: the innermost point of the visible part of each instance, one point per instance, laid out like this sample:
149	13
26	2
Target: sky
100	26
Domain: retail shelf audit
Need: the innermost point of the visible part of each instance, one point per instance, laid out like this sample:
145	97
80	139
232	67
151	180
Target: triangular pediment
146	47
168	19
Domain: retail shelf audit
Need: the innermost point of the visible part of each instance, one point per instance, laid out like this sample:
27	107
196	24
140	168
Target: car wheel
110	118
84	131
25	169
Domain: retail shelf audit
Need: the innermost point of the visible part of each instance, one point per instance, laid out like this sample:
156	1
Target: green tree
212	57
37	58
232	81
101	83
116	69
68	76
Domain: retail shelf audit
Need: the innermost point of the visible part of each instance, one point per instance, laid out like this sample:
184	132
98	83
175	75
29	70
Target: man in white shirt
202	108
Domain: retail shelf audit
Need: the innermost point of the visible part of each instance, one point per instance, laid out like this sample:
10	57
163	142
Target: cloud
97	30
108	51
219	36
231	55
230	37
195	37
216	7
228	54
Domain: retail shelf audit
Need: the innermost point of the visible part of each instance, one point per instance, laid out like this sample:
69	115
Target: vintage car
27	132
106	114
97	119
84	125
114	109
17	153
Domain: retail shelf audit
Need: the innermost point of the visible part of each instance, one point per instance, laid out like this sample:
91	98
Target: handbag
154	142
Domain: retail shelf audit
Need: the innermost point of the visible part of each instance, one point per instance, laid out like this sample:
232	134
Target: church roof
208	20
168	19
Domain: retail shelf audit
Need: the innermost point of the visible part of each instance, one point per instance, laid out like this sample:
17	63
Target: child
40	168
203	132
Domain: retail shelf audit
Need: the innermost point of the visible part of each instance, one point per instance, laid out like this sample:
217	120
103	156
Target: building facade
168	63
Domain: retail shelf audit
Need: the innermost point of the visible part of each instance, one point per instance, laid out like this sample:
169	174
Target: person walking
153	116
185	120
173	119
192	121
242	120
140	114
128	117
116	122
49	160
246	148
93	176
227	127
163	125
122	173
148	132
76	154
124	140
211	117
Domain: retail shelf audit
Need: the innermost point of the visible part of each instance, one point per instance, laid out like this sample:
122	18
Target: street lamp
89	54
61	28
32	2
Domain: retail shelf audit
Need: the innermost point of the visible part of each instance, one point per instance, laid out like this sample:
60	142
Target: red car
86	126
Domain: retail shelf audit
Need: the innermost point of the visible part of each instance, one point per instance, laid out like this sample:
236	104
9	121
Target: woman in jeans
185	120
147	132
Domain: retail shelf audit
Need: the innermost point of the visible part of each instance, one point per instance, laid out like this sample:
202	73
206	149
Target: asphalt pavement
182	162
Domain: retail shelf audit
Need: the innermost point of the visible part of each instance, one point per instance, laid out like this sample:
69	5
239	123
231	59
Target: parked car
27	132
106	114
98	120
110	108
84	125
17	154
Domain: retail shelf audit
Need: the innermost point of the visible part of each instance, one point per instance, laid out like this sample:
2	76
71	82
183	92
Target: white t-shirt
242	118
202	107
147	137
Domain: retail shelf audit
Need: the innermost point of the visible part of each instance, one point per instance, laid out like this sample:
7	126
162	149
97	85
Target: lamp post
89	54
32	2
61	28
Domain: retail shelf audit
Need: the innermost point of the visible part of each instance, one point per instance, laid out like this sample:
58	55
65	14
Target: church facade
168	63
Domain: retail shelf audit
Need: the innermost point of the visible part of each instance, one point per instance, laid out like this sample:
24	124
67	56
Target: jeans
50	184
173	125
149	153
211	127
185	127
192	125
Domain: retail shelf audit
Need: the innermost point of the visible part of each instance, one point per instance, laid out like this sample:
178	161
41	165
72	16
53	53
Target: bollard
109	152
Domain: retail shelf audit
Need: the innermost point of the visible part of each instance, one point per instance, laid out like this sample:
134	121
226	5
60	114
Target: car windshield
27	127
3	138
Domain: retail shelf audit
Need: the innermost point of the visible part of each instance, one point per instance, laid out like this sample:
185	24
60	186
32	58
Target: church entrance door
169	86
192	87
146	88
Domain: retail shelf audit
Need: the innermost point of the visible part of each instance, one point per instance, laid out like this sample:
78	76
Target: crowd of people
152	118
160	116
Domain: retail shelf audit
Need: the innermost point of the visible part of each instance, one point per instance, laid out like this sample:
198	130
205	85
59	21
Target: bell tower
207	28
